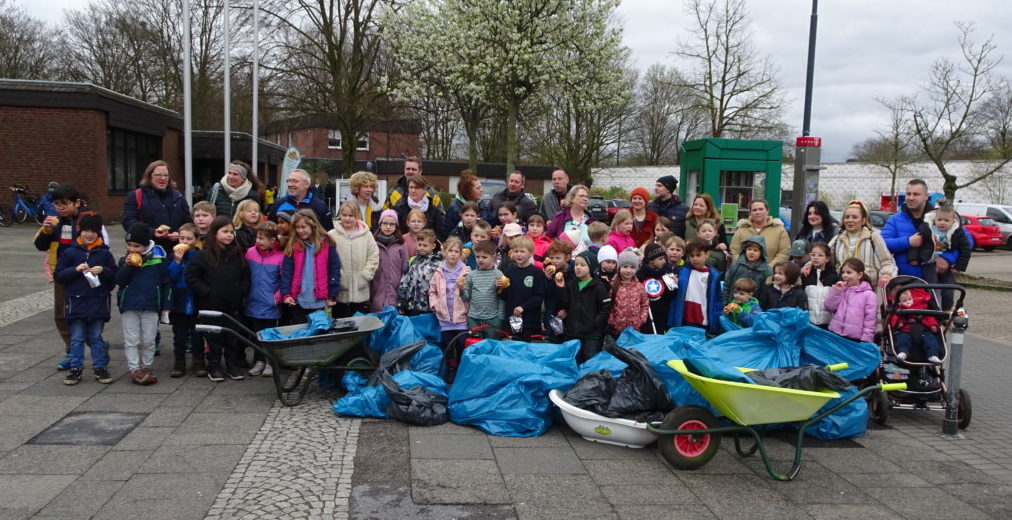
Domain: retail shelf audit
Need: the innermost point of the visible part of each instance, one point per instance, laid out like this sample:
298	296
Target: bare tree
893	149
27	47
736	88
663	116
963	103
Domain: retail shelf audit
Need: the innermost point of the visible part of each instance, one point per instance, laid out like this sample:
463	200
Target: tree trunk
471	128
511	134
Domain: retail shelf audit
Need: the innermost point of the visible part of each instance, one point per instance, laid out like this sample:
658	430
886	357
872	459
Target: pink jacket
855	311
437	297
620	242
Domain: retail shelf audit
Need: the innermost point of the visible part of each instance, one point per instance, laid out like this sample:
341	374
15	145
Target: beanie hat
512	229
591	260
669	182
139	233
799	247
607	253
389	213
642	192
652	251
628	257
286	216
90	222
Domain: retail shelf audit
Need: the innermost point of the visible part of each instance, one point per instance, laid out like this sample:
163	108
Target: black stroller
926	388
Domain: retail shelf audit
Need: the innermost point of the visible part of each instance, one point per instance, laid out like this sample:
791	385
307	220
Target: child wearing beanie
607	263
87	271
655	267
584	302
144	289
393	262
630	303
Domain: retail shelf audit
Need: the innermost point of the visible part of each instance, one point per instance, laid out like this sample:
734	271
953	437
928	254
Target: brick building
101	142
317	137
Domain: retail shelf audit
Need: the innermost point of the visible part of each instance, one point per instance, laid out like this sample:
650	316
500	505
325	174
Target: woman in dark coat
157	203
239	183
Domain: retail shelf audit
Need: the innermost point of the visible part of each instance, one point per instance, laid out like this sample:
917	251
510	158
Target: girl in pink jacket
853	302
444	291
621	231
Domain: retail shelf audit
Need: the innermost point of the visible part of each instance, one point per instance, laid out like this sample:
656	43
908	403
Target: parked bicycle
6	218
26	205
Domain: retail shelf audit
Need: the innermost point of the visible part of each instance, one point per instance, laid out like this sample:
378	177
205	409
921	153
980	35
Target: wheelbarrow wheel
687	451
292	385
878	406
964	409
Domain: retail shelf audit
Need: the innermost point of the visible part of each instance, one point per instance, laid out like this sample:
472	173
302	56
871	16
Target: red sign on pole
808	141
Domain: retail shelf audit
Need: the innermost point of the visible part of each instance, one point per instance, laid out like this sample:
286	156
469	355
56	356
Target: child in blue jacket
262	311
87	270
698	302
144	290
183	313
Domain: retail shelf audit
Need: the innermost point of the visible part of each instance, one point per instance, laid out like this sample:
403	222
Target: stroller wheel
689	451
878	404
964	409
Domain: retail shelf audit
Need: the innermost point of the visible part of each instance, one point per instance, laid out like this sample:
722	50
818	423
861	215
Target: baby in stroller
907	329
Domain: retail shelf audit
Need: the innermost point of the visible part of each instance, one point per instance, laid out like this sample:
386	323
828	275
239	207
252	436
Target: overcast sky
866	49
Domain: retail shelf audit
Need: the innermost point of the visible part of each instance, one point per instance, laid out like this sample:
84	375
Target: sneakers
178	369
215	374
935	360
102	376
73	377
234	372
137	376
268	371
200	368
64	364
151	377
258	368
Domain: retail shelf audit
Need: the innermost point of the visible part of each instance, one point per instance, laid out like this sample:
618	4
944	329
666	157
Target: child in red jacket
905	327
630	303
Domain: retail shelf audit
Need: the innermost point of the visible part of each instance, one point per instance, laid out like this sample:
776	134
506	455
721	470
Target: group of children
480	278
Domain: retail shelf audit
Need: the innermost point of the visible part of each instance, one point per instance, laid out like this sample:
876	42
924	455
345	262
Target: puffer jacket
326	270
359	260
81	300
265	283
393	260
817	285
630	307
621	242
956	249
219	288
896	234
740	268
158	207
854	311
778	242
182	297
144	288
413	292
438	296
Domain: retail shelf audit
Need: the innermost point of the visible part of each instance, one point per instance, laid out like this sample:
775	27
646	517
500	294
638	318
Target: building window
334	141
127	155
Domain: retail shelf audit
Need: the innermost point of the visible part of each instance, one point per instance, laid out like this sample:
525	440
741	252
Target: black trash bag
417	405
639	390
592	392
808	377
395	360
342	325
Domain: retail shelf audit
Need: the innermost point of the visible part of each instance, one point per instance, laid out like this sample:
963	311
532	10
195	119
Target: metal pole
187	108
228	93
256	84
950	425
807	124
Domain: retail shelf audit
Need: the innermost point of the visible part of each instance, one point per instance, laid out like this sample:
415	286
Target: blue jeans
89	331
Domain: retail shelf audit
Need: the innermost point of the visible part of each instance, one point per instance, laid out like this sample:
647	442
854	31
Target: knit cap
607	253
669	182
628	257
389	213
139	233
652	251
642	192
591	259
90	222
286	216
799	247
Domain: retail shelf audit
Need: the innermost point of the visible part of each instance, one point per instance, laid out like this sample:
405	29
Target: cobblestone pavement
299	465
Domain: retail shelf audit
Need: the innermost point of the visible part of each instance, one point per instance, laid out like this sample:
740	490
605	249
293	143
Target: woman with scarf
419	199
238	184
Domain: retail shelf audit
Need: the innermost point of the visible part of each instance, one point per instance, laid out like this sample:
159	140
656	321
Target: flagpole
187	108
228	94
256	85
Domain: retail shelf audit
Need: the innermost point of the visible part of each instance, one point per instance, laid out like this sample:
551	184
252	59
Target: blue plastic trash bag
821	347
713	368
370	398
502	386
397	331
849	421
318	323
771	341
373	401
428	326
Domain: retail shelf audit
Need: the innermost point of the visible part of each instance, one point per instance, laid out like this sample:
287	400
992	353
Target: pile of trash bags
502	386
316	323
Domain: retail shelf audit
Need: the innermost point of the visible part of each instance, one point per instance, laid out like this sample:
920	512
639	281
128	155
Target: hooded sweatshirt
777	241
757	271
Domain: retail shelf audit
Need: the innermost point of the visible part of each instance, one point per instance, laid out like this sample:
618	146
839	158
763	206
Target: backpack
140	204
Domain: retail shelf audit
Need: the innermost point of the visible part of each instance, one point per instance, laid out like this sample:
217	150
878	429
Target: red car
985	231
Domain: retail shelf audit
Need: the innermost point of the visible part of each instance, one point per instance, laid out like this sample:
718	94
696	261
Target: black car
598	208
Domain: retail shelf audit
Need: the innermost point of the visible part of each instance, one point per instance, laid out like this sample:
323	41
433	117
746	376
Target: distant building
317	137
101	142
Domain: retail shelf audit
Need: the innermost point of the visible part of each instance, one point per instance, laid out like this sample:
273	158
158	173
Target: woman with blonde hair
363	192
858	240
574	216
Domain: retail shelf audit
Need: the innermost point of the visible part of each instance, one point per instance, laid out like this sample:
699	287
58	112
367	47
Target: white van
1002	215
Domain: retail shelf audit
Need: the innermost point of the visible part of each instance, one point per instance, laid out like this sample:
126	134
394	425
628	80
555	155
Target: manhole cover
90	428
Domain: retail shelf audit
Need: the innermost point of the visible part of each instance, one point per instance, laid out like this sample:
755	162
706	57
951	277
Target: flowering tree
488	53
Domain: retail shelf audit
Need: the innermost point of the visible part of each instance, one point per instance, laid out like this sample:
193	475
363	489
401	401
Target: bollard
950	426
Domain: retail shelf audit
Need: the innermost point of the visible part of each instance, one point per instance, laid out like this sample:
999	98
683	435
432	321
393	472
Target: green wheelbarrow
689	436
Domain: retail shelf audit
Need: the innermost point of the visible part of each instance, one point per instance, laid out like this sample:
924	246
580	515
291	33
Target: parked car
985	231
878	218
616	204
1001	215
490	187
598	208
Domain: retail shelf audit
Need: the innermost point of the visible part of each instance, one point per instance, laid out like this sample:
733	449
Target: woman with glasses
158	204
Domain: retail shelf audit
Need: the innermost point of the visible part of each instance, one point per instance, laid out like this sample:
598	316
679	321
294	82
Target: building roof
401	126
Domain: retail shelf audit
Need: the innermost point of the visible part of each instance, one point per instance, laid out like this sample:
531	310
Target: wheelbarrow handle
837	367
216	329
890	387
238	324
208	329
210	314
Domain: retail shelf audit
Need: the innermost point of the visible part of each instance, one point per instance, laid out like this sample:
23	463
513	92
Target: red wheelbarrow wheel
689	451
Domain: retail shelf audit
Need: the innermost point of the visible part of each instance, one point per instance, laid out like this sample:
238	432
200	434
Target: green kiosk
733	172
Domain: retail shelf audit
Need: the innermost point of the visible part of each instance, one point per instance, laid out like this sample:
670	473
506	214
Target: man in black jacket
514	192
667	204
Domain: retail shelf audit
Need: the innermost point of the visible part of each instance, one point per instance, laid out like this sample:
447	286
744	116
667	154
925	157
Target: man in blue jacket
900	231
300	197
